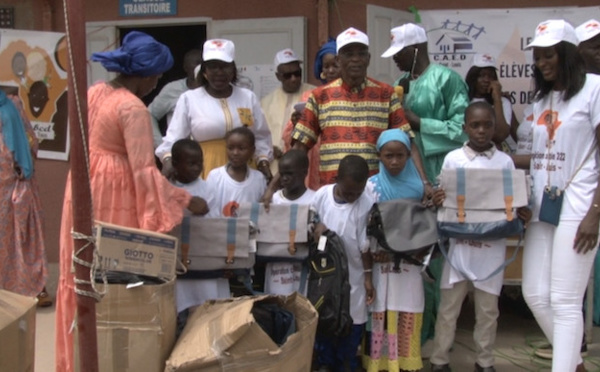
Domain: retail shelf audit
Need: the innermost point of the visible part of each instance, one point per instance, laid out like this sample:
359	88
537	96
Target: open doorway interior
180	39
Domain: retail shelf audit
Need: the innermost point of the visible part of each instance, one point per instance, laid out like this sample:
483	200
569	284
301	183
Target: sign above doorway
141	8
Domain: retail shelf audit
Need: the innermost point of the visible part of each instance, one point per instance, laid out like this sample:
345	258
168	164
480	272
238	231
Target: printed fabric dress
22	251
127	189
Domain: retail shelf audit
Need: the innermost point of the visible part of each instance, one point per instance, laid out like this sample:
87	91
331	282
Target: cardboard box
136	251
136	327
222	335
17	332
513	272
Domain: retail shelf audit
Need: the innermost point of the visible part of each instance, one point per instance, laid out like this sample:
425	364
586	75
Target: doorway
179	39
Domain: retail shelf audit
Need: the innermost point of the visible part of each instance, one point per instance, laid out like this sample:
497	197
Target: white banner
455	35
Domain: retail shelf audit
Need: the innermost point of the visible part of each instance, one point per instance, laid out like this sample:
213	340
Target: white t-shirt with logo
525	132
560	152
229	193
349	221
283	278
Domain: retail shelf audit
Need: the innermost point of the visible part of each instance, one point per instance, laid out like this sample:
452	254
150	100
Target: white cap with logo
351	36
587	30
218	49
483	60
285	56
403	36
552	32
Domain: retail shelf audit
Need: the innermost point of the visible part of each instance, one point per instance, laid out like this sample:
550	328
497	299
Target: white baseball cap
587	30
219	49
552	32
285	56
403	36
483	60
351	36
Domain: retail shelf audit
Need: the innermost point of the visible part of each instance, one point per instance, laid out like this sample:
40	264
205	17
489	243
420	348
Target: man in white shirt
278	105
164	103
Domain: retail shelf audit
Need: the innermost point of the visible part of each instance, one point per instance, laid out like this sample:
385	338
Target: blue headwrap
407	184
327	48
15	138
139	55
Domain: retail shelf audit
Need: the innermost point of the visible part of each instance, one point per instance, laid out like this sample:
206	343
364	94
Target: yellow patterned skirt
393	342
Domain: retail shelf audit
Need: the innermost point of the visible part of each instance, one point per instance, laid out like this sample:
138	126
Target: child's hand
524	214
439	195
381	257
198	206
427	195
370	289
318	231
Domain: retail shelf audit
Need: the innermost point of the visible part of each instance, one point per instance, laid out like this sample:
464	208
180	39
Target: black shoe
479	368
440	368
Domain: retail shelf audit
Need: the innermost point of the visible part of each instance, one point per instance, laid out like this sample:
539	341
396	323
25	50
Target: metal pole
80	182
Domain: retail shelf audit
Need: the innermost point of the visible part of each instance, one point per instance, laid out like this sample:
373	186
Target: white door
256	42
99	39
380	21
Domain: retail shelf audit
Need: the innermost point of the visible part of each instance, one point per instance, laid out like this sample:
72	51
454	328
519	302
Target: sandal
44	299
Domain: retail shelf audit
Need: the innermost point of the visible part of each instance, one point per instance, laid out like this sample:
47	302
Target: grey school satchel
481	204
211	245
281	233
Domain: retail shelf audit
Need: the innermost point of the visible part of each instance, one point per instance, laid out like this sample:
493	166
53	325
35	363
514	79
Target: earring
323	76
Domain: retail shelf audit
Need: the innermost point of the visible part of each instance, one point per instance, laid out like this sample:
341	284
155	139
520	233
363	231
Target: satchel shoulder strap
185	241
231	230
461	191
508	193
293	222
444	250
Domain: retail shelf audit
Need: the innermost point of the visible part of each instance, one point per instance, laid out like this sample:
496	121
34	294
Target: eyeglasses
288	75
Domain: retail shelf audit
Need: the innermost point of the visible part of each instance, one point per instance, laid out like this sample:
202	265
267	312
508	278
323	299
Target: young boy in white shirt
236	182
188	162
476	259
343	208
283	278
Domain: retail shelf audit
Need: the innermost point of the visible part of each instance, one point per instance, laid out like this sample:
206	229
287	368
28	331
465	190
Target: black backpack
329	286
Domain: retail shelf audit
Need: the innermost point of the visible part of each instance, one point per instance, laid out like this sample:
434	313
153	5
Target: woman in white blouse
207	113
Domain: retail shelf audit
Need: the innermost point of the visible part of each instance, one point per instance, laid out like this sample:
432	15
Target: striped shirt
349	121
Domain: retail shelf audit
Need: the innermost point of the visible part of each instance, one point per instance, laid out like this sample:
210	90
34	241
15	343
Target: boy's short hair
354	167
243	131
480	105
297	157
184	144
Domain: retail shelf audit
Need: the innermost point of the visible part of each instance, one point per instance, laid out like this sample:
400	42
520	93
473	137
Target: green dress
439	97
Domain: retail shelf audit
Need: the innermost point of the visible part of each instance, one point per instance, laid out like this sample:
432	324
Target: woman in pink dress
22	253
127	188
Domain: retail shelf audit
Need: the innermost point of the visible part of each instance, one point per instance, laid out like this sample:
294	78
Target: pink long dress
127	189
22	252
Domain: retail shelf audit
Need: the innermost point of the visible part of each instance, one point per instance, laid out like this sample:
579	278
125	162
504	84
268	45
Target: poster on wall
454	36
34	68
260	79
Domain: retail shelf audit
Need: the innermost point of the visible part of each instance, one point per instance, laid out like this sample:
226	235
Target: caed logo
452	42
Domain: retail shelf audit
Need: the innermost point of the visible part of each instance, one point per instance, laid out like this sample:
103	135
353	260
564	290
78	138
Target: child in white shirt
188	163
476	259
236	183
283	278
343	208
